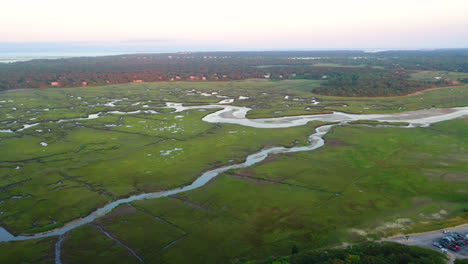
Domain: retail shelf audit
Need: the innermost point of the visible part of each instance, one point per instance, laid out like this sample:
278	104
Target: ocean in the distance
9	57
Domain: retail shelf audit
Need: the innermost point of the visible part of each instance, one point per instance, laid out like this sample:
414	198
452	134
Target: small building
54	83
84	83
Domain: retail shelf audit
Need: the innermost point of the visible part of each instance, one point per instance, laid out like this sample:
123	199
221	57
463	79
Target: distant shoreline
12	57
11	60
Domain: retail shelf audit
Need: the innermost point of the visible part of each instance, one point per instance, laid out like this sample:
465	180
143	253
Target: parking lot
427	240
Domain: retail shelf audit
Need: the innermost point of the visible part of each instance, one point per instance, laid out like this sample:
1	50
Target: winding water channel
237	115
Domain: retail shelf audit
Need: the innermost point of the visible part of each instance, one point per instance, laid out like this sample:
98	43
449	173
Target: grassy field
104	249
114	156
267	98
433	76
331	65
41	251
87	165
364	183
346	65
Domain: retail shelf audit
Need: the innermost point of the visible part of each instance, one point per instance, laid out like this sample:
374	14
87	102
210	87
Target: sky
200	25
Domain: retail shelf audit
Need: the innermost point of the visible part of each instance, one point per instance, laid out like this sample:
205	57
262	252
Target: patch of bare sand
121	210
334	142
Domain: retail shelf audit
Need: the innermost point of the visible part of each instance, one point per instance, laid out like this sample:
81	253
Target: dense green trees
374	83
367	253
345	73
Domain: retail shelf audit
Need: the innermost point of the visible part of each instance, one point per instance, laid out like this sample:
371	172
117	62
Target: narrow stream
58	249
118	242
315	140
237	115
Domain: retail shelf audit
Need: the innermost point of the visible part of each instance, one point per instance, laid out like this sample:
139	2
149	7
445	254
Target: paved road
426	240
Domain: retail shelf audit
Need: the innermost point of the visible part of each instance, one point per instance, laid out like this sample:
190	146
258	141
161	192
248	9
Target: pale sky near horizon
241	24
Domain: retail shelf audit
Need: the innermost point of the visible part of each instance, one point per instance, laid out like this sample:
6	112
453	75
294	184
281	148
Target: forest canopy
367	253
344	73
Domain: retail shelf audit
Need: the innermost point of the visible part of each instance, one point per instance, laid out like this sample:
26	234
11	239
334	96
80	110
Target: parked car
446	240
449	238
456	235
447	244
454	247
459	243
444	243
437	245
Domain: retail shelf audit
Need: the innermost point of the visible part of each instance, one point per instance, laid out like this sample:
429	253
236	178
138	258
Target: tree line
354	73
367	253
